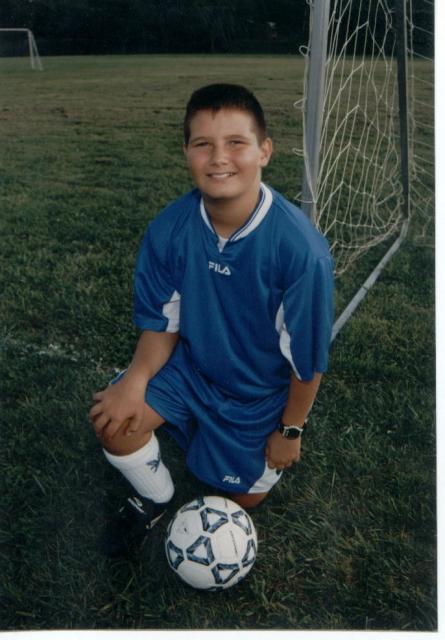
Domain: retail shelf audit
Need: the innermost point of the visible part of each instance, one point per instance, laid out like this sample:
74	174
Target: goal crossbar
34	57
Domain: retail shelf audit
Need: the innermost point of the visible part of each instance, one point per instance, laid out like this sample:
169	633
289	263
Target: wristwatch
291	431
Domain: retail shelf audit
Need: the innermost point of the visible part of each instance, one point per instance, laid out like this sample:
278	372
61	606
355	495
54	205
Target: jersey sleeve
308	311
156	301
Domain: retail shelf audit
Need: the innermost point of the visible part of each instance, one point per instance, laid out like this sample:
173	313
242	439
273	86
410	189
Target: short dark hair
214	97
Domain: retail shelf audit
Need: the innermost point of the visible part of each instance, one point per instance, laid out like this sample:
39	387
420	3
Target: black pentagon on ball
220	569
174	555
241	519
203	544
209	523
193	506
250	554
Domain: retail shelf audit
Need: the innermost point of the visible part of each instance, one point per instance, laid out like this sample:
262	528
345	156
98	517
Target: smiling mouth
221	176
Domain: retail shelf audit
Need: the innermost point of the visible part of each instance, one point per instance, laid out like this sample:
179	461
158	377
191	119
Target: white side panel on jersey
171	311
280	326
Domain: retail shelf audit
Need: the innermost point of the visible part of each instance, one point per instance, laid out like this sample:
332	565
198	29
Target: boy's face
225	156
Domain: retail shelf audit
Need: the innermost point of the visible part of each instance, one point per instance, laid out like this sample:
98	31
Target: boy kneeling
234	298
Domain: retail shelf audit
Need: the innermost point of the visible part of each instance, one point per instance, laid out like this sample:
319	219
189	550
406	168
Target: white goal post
34	57
367	128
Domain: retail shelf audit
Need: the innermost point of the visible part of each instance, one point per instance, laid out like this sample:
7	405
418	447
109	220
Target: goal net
20	42
356	195
420	41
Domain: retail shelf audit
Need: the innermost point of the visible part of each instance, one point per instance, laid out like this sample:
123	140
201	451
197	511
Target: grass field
90	151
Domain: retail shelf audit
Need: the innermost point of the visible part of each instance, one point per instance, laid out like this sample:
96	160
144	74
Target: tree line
176	26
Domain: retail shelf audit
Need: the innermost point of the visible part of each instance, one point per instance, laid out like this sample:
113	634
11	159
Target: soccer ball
211	543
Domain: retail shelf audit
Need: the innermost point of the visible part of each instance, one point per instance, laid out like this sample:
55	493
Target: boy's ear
266	151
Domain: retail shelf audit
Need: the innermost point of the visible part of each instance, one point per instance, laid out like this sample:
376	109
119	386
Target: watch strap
291	431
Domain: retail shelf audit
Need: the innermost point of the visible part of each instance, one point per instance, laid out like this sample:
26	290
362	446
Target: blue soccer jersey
249	310
246	309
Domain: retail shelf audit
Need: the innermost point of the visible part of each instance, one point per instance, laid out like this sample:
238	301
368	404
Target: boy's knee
248	500
124	443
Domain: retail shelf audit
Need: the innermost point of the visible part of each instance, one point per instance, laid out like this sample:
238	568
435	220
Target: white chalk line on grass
55	351
52	351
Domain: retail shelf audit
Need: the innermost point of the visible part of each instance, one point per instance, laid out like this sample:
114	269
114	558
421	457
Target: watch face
291	433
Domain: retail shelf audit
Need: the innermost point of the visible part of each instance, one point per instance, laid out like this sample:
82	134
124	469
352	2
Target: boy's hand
282	452
119	404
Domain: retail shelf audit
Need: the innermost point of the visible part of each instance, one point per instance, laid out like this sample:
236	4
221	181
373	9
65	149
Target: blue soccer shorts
224	438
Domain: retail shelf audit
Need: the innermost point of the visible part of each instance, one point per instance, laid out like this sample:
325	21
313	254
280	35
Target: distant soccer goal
20	42
368	126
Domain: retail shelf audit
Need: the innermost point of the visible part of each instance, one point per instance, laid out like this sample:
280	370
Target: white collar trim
253	221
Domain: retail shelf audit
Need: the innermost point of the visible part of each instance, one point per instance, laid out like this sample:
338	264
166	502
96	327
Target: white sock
145	470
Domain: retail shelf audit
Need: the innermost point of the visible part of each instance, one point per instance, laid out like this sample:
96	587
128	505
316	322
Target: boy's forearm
152	352
300	399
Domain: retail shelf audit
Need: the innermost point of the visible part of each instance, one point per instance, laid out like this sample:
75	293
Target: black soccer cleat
132	523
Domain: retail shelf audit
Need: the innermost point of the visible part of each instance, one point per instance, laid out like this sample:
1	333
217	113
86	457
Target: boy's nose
219	155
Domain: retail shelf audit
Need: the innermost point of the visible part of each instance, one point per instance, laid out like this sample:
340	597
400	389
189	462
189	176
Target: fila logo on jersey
232	479
214	266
